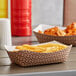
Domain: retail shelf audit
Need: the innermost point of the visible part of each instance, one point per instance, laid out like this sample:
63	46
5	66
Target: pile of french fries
55	31
45	48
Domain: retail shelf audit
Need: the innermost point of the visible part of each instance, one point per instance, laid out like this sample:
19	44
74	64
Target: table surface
7	68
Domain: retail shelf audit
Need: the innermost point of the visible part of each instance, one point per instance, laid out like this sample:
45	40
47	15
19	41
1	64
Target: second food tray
46	38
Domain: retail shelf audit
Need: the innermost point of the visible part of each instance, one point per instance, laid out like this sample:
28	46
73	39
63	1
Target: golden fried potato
40	32
19	47
61	33
51	31
55	31
45	48
31	48
52	47
73	25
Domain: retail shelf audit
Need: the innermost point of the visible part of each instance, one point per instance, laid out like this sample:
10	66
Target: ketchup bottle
21	18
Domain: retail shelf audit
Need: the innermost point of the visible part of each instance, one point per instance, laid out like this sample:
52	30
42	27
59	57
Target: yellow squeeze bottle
3	8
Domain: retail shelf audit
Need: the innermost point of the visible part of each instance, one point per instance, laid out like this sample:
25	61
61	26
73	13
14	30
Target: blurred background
46	12
54	12
51	12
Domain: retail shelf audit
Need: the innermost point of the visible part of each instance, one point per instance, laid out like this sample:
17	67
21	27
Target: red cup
21	18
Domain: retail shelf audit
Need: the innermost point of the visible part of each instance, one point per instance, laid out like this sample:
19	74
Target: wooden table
7	68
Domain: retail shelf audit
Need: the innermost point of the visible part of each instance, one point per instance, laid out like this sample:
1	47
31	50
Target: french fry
61	33
40	32
51	31
19	47
31	48
73	25
55	31
46	48
69	27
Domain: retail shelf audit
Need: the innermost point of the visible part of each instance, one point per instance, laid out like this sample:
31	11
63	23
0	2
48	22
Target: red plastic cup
21	18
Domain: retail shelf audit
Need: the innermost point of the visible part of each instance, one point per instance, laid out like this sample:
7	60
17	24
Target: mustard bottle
3	8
